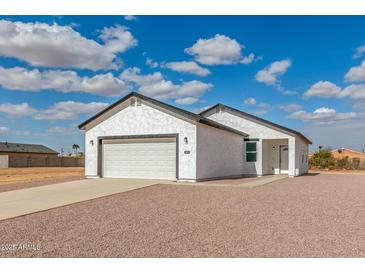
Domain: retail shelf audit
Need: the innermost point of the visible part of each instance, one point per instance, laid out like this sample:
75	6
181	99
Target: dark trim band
251	140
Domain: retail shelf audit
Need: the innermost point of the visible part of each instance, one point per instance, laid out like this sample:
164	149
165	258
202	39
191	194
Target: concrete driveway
30	200
24	201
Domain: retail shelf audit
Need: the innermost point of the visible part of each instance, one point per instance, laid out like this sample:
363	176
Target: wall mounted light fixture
186	140
92	142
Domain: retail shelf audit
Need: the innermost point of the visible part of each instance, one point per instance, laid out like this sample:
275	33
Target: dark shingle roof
27	148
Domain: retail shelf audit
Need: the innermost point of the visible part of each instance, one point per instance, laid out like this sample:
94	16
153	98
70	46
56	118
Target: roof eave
223	127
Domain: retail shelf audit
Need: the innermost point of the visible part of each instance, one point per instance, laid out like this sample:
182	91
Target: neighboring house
346	152
31	155
140	137
24	155
356	158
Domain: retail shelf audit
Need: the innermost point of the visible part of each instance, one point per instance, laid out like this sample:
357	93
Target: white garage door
143	158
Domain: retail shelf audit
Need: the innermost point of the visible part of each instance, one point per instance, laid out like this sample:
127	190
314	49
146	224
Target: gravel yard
310	216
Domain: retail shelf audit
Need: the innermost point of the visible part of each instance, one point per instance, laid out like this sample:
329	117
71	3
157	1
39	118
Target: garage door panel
143	159
153	158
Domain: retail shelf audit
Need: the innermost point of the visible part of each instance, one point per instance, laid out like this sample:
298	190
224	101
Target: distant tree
322	159
81	154
75	147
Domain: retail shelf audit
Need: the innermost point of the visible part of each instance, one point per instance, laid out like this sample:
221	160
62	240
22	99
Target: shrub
322	159
343	163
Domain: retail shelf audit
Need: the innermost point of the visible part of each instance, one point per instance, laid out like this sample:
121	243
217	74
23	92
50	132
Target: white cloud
64	81
66	110
356	92
249	59
327	89
17	110
41	44
186	100
219	50
134	75
323	115
156	86
117	39
359	105
356	74
270	74
151	63
61	130
22	132
188	67
69	110
262	108
130	18
264	105
250	101
4	129
192	88
323	89
359	52
260	112
290	107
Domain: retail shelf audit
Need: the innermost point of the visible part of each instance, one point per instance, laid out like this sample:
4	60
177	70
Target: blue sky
304	72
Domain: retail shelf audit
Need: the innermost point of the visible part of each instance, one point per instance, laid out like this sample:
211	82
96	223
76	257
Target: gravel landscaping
310	216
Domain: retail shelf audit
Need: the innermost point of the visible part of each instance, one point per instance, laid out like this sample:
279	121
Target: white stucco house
140	137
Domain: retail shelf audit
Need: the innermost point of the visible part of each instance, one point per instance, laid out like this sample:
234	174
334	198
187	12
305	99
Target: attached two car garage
150	157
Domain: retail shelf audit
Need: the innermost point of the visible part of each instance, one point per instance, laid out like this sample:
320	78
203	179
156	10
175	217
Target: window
251	152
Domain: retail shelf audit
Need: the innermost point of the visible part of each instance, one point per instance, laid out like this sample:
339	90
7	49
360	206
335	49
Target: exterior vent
139	102
133	102
219	109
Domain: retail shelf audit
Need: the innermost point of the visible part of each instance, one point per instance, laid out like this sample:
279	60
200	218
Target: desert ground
16	178
318	215
344	171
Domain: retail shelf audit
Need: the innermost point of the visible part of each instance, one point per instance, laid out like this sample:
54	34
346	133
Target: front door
284	159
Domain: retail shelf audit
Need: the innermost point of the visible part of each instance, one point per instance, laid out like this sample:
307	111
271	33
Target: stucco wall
254	129
219	153
143	120
262	131
302	156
